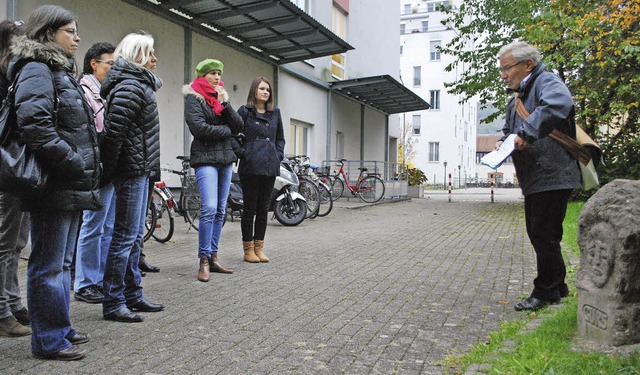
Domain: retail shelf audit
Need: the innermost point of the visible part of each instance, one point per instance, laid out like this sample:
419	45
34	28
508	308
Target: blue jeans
14	233
213	183
93	241
121	285
53	240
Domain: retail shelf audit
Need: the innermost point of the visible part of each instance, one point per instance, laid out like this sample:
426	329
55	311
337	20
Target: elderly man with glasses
547	173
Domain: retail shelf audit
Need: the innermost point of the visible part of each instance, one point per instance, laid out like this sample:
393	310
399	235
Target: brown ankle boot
249	253
215	266
257	246
203	272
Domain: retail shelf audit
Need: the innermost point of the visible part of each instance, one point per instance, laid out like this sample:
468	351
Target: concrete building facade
444	136
318	121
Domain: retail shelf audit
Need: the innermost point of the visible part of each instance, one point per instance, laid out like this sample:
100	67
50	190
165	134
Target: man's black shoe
22	316
123	315
146	306
533	304
72	353
79	338
146	267
90	294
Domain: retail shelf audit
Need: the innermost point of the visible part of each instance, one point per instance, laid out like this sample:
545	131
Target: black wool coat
263	149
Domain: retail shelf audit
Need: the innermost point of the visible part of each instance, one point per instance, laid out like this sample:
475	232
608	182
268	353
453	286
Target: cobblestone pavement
382	289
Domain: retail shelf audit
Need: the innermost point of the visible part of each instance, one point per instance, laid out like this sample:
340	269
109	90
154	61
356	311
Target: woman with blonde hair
131	152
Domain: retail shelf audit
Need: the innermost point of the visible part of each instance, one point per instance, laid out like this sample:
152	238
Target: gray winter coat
545	165
62	136
213	142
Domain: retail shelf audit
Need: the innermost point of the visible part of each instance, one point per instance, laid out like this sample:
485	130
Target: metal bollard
492	195
449	187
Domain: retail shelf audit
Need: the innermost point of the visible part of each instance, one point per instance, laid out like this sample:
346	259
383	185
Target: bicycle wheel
326	201
191	206
371	189
337	188
311	194
150	221
164	225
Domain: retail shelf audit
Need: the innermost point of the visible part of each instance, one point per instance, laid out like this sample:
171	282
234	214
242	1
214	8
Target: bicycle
307	172
163	207
368	187
306	187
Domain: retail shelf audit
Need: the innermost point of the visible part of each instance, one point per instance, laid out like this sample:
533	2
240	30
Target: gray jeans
14	234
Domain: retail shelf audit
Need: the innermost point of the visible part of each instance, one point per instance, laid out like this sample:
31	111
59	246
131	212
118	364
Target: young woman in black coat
260	158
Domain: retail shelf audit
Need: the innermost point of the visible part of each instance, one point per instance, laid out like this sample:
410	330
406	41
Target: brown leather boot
203	272
257	246
249	253
215	266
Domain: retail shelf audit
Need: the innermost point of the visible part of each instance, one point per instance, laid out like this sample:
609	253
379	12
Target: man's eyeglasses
508	68
73	32
110	62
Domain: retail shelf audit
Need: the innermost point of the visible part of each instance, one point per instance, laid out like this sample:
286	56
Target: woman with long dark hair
56	123
260	158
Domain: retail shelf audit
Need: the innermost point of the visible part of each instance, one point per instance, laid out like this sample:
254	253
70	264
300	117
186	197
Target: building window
298	140
403	28
417	75
416	124
425	26
434	6
339	27
407	9
434	50
434	99
434	151
401	50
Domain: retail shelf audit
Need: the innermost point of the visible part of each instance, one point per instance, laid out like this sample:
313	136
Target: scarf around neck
209	93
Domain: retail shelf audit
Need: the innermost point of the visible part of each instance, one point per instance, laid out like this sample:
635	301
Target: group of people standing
98	139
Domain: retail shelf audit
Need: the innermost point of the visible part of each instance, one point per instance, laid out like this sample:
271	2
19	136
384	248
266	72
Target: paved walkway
384	289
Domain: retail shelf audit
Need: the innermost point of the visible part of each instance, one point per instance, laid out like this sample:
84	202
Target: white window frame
417	76
434	50
416	124
299	136
434	99
434	151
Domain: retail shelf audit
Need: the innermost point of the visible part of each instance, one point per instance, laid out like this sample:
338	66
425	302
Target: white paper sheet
495	158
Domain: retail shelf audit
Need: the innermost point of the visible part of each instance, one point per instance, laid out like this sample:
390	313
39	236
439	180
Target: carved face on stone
600	253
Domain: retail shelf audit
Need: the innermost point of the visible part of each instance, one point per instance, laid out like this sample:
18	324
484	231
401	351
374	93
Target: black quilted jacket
213	142
65	143
130	142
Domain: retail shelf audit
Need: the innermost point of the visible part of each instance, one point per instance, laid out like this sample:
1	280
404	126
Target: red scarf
202	87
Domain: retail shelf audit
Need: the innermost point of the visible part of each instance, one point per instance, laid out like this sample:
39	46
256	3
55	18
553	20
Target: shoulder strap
574	148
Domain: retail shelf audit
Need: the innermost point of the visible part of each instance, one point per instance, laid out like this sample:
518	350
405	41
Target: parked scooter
235	202
288	206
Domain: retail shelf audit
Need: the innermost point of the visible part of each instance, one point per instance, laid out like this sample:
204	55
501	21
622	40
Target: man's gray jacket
545	165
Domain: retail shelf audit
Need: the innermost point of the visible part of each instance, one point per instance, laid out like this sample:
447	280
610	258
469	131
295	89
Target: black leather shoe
146	267
533	304
90	294
79	338
146	306
123	315
22	316
72	353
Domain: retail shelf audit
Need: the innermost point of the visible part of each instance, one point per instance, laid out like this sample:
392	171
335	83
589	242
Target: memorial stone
608	280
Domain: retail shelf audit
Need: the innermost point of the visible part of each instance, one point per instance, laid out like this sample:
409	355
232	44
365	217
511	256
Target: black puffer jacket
66	143
213	142
263	149
131	137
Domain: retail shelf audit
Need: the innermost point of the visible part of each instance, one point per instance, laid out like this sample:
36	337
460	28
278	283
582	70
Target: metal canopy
275	31
383	93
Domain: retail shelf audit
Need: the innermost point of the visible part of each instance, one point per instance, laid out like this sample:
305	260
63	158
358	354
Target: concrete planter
415	191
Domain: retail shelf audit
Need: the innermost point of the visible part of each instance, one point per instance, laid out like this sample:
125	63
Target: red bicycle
369	187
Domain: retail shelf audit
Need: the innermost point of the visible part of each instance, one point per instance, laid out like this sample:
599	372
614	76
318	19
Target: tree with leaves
594	46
